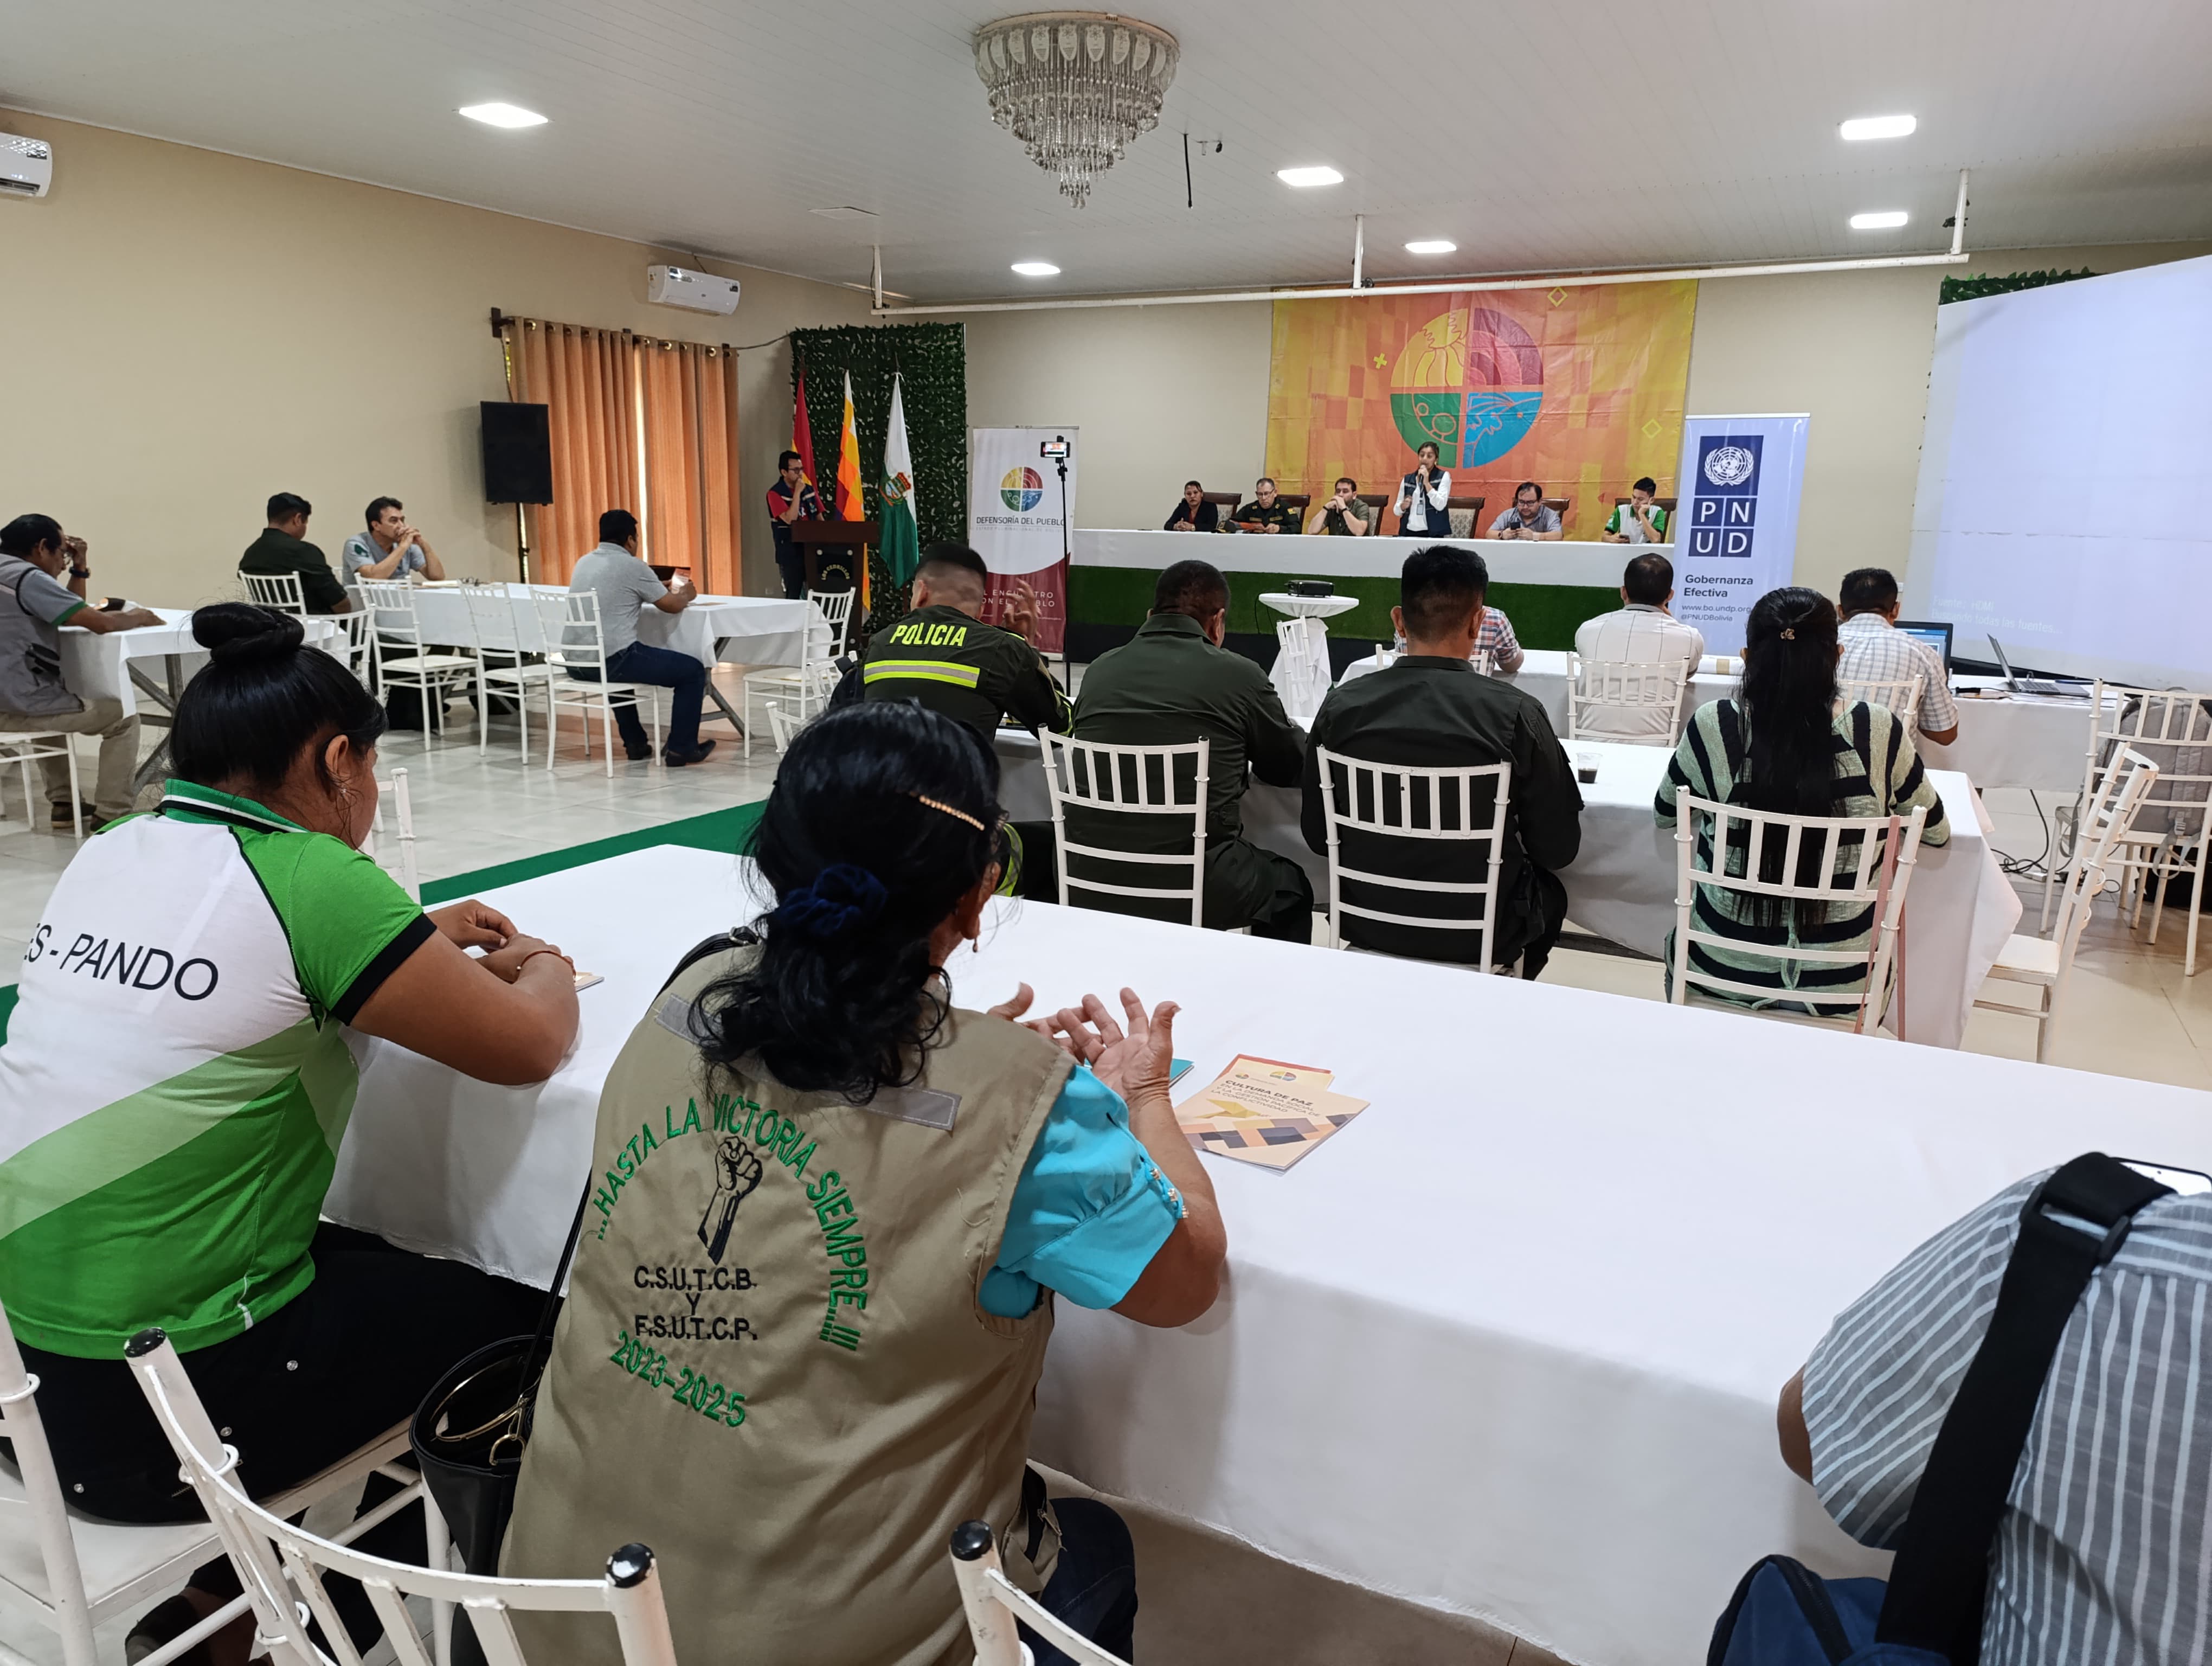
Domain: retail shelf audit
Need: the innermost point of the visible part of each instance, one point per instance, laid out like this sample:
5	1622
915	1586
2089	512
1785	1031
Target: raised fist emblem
737	1172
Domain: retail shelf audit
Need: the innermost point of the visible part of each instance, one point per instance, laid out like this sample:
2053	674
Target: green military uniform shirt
280	552
1278	514
974	673
1169	686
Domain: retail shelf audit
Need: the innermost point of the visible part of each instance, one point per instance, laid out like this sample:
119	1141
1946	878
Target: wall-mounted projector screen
2065	499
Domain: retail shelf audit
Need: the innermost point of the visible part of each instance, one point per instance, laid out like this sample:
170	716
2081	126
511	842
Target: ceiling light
1883	220
1431	245
1302	177
1036	269
502	115
1878	127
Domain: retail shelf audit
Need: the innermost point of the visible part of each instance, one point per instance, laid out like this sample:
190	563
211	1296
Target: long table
114	665
1508	1346
1959	908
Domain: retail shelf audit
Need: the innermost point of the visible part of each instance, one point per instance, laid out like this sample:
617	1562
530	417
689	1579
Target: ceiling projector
679	286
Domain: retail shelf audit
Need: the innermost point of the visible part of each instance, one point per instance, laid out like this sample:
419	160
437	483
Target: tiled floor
1206	1598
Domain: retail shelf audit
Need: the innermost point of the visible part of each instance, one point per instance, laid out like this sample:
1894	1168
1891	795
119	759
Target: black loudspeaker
518	456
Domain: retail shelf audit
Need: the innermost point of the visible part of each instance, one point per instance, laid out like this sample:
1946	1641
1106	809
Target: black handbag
470	1431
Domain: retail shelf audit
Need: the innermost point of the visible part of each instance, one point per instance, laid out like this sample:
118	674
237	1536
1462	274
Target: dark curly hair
883	818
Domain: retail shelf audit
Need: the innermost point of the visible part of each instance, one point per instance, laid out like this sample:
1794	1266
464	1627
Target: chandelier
1075	87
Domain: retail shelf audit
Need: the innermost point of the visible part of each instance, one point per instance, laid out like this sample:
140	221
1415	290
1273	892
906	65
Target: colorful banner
1017	519
1735	534
1581	390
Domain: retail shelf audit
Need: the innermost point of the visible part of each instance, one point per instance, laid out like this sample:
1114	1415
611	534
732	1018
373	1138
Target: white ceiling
1540	136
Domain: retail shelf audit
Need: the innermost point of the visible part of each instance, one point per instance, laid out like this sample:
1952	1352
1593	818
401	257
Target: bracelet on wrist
534	953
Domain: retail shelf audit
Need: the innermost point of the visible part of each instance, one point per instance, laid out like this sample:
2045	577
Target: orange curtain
587	380
689	395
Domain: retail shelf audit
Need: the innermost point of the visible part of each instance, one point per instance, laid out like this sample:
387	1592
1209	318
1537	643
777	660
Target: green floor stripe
726	830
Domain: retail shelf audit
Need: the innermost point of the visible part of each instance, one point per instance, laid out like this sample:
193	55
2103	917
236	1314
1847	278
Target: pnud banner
1735	531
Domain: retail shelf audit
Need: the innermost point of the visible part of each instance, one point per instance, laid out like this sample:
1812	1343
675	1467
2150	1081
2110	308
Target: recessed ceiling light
1884	220
502	115
1036	269
1431	245
1302	177
1878	127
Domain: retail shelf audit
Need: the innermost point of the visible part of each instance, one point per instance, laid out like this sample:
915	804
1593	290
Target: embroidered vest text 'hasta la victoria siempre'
773	1367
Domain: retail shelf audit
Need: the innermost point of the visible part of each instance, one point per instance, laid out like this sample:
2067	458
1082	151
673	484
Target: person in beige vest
815	1283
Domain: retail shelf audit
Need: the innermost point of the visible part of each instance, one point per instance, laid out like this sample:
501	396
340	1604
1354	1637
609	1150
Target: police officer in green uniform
1266	513
942	655
1173	684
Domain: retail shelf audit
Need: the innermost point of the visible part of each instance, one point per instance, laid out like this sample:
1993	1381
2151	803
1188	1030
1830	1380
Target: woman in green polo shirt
177	1079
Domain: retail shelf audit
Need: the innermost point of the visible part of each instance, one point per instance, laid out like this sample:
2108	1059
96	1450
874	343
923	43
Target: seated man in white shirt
389	547
1875	652
1640	632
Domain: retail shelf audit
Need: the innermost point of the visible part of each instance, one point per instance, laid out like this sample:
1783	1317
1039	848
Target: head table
1507	1345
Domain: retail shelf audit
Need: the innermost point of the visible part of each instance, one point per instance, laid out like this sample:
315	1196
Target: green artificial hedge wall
1974	289
932	362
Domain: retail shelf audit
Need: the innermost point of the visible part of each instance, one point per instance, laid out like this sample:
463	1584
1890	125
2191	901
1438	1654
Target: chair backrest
492	619
1561	506
782	725
1465	514
356	644
1484	661
1376	502
1294	655
2107	819
569	621
390	606
994	1604
1300	501
1403	801
835	607
1848	863
282	1567
403	816
1639	703
1901	696
42	1495
1143	782
278	590
2172	729
1226	502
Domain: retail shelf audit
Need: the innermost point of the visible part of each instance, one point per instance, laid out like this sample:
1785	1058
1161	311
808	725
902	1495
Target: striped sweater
1877	774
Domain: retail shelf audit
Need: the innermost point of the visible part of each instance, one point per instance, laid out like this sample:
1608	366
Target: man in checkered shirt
1640	632
1876	652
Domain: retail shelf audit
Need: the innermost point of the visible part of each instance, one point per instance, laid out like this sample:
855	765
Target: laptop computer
1937	636
2019	684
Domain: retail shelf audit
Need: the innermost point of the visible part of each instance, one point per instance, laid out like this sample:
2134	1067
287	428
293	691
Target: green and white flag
902	538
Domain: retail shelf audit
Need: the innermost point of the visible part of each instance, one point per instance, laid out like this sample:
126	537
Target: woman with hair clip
1783	745
809	1305
176	1081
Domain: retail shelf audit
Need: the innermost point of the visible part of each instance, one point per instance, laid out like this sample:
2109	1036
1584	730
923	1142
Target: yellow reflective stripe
934	671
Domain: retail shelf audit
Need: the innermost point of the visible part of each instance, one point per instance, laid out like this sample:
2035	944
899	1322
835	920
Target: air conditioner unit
679	286
27	167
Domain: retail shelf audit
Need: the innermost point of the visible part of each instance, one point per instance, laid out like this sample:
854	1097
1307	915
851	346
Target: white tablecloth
97	666
1959	909
753	630
1510	560
1507	1345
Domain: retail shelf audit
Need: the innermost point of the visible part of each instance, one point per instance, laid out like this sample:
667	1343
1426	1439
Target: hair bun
239	633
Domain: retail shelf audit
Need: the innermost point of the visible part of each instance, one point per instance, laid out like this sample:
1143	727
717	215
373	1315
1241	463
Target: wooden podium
809	536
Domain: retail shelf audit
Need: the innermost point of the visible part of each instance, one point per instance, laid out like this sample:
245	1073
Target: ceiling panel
1614	134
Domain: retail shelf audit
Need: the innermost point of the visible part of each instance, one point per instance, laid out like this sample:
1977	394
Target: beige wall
1162	394
186	332
1167	393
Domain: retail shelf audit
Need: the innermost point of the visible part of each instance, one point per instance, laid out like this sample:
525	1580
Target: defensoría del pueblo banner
1015	517
1581	390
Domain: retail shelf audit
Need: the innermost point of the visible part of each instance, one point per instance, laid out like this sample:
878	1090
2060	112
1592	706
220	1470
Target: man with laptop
1875	651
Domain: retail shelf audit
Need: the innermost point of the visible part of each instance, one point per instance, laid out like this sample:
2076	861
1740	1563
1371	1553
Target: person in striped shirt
2104	1552
1781	746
